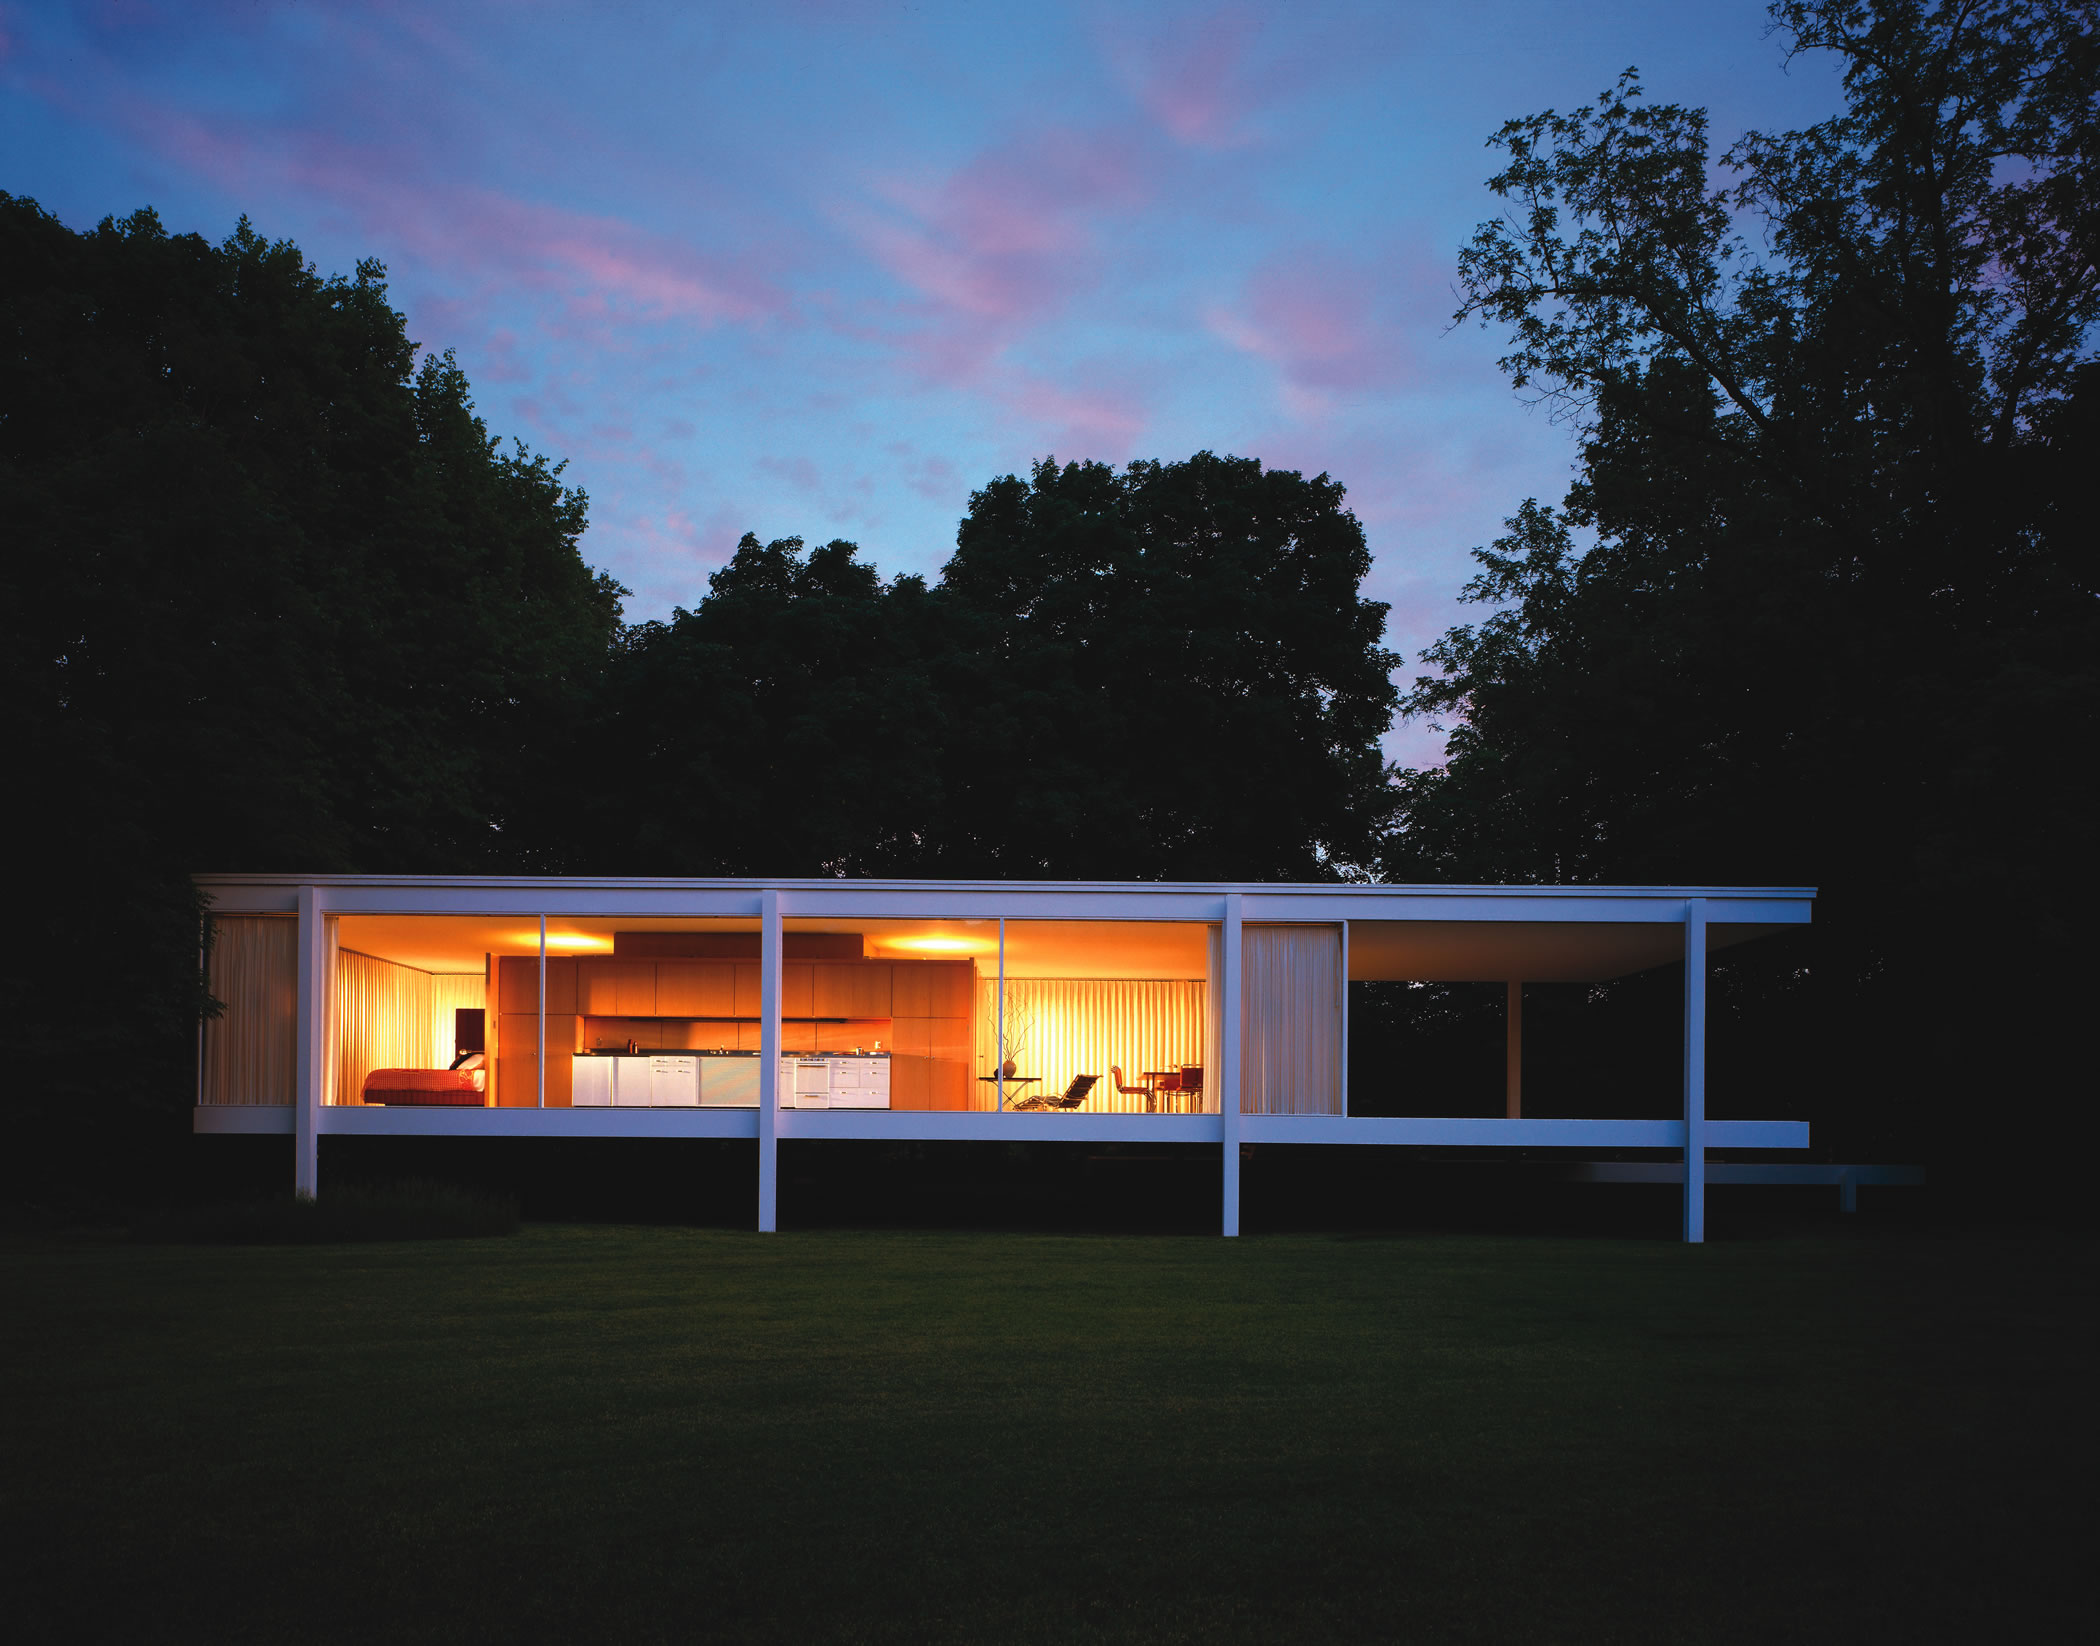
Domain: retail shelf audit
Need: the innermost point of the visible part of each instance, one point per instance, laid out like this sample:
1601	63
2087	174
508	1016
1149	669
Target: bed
426	1088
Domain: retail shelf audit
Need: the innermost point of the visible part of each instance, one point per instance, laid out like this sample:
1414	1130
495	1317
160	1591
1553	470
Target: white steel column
311	1076
543	1012
1345	1017
1229	1059
1695	1070
999	1031
768	1060
1513	1060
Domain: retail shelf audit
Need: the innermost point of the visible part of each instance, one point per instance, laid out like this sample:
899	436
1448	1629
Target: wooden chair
1132	1091
1070	1098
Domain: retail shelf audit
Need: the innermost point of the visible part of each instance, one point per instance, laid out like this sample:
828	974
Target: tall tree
1163	671
271	596
1821	604
790	724
1167	671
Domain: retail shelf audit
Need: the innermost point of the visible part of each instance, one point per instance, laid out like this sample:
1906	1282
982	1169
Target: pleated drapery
1291	1020
251	1050
1057	1028
449	992
382	1021
390	1016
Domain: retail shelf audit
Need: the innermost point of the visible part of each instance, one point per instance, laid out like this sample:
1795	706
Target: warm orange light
566	942
942	945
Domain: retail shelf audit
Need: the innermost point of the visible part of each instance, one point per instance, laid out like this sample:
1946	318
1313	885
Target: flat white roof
1447	933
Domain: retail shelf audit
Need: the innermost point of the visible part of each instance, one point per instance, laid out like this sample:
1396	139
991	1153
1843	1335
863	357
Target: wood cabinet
928	1005
617	988
798	989
518	983
695	988
911	1082
851	988
932	1066
746	988
518	1060
931	988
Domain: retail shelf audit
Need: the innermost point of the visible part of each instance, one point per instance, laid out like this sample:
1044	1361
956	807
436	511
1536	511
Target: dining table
1161	1083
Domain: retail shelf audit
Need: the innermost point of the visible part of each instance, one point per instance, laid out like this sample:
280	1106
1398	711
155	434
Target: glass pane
1101	1017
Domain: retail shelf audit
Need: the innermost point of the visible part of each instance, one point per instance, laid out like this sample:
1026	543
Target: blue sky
824	269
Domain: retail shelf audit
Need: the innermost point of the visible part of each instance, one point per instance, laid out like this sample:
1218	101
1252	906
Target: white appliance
860	1082
811	1084
674	1082
630	1082
591	1081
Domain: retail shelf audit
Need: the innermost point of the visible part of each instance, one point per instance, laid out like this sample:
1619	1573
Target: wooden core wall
920	1010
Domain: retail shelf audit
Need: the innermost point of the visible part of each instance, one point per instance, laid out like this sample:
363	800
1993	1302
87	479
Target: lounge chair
1070	1098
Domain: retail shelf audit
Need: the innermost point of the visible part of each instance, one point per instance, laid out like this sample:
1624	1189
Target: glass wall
1096	1017
1076	1016
409	996
880	1013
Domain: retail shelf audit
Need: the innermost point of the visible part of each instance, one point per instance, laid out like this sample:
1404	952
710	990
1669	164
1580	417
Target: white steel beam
768	1061
981	1125
1513	1056
1230	943
523	897
311	1078
1695	1070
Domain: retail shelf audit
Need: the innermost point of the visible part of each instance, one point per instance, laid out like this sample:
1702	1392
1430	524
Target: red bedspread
461	1087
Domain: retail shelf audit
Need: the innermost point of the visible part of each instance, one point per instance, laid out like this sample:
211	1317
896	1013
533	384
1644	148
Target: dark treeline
1818	609
271	596
276	600
1166	671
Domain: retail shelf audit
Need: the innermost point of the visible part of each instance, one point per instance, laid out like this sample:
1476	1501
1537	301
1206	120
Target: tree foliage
1168	671
272	597
1163	671
789	724
1820	606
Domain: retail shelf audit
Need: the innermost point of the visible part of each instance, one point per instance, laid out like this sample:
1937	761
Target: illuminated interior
1077	1016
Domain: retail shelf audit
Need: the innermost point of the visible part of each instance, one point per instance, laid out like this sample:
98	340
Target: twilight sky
823	269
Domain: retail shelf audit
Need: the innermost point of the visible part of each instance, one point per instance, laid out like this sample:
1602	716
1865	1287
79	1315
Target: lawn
642	1434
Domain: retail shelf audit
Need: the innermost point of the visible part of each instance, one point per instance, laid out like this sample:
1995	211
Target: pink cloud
1003	243
1330	324
672	552
936	479
600	267
499	359
1101	421
1193	76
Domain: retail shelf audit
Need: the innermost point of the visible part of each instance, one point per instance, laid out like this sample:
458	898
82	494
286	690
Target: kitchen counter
727	1079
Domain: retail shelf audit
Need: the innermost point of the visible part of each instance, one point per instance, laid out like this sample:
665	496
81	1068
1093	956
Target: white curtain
383	1020
251	1050
1291	1029
1058	1028
450	991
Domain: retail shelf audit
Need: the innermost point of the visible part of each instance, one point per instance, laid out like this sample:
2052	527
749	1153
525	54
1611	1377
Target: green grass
604	1433
414	1210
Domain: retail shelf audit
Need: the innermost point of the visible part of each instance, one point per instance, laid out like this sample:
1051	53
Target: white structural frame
313	899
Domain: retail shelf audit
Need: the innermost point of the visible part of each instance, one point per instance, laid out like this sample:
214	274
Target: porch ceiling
1501	951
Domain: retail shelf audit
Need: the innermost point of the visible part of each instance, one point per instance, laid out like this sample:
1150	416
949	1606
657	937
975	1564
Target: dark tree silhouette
1820	606
271	596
